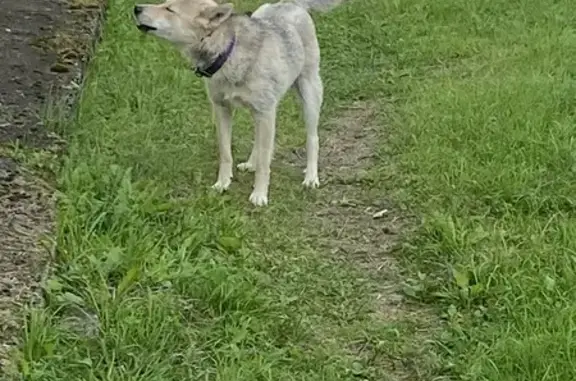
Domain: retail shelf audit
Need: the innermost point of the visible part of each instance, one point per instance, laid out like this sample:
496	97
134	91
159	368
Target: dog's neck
214	65
214	48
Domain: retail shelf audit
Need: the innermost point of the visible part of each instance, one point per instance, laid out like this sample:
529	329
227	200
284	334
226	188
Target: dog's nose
137	10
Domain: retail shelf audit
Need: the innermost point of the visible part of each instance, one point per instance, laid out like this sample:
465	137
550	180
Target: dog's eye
170	10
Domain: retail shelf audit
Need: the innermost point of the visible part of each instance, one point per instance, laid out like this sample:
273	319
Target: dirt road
43	44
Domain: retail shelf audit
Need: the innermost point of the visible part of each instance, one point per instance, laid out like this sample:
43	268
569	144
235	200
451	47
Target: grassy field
467	112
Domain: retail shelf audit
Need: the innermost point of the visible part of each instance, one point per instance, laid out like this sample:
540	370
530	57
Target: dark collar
218	62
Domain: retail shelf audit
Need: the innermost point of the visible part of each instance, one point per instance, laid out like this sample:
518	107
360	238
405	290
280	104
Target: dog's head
182	21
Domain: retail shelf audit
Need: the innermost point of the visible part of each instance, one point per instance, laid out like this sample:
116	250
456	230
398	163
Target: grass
158	279
485	142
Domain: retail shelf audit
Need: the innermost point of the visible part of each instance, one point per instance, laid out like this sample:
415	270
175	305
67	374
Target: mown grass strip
174	282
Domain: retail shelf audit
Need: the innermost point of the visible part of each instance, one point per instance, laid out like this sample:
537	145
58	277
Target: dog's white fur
276	49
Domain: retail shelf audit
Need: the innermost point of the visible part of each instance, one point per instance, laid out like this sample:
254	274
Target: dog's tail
318	5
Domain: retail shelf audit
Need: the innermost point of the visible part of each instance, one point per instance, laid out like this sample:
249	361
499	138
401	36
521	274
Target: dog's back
293	11
291	34
291	17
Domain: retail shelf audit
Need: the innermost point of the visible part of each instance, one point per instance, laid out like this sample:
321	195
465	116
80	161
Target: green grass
484	138
159	279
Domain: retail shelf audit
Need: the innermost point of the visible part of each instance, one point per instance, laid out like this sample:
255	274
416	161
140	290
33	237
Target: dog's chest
237	96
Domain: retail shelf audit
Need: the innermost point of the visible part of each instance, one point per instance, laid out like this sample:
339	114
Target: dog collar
218	62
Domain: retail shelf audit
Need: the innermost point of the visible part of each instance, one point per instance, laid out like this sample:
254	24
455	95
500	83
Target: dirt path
44	43
355	222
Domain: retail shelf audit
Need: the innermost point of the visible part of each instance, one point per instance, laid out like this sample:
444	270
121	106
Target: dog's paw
311	181
259	198
246	167
222	185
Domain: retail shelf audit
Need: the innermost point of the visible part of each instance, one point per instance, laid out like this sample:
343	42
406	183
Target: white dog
250	61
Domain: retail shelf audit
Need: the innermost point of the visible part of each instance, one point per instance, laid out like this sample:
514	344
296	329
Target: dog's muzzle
145	28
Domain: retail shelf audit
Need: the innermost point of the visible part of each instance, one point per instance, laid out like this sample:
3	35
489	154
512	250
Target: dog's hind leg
250	164
310	90
224	127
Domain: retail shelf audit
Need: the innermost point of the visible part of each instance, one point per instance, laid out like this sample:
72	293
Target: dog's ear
215	16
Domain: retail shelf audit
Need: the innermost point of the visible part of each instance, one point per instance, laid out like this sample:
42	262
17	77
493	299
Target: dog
249	60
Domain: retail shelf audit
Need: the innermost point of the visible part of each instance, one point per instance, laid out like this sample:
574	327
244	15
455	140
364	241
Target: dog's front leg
223	115
265	125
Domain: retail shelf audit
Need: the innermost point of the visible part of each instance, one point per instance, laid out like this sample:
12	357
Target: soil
44	45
